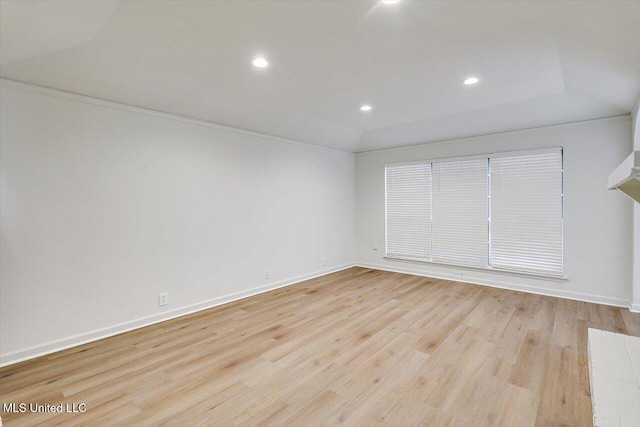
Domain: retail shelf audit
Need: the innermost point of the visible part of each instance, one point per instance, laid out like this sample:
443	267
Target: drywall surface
104	207
635	306
597	222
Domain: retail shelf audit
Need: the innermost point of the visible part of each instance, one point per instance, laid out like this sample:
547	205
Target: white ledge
626	177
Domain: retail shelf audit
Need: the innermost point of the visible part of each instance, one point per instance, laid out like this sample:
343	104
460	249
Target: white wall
105	206
635	306
598	222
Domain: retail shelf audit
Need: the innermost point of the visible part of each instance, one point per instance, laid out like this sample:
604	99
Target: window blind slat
408	205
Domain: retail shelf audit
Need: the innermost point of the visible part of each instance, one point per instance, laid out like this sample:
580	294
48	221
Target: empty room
315	213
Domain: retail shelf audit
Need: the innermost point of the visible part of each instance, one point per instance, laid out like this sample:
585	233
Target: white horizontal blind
408	206
526	212
460	212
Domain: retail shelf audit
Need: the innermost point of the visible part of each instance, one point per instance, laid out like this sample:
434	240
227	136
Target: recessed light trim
471	80
260	62
389	1
365	108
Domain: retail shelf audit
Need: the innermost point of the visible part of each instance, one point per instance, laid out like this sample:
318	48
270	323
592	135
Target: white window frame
488	267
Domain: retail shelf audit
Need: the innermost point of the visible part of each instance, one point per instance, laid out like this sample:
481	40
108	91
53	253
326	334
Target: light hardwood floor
357	347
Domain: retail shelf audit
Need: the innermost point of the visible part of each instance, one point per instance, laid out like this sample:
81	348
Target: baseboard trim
85	338
558	293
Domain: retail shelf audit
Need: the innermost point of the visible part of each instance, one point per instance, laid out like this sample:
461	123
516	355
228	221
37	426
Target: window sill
538	276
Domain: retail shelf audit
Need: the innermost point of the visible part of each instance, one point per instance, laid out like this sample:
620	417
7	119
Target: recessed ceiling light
260	62
471	81
390	1
365	108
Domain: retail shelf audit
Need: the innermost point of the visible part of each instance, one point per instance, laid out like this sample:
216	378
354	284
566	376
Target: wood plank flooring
357	347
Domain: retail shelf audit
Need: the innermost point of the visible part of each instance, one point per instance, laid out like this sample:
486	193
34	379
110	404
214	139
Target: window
526	212
460	232
409	212
500	211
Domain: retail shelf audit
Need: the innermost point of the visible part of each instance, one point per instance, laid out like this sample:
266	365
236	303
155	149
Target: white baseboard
559	293
76	340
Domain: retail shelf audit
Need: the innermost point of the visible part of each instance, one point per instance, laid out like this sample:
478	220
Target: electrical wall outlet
163	299
267	276
323	261
375	246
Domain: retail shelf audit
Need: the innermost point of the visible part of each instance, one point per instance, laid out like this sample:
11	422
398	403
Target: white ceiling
540	63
